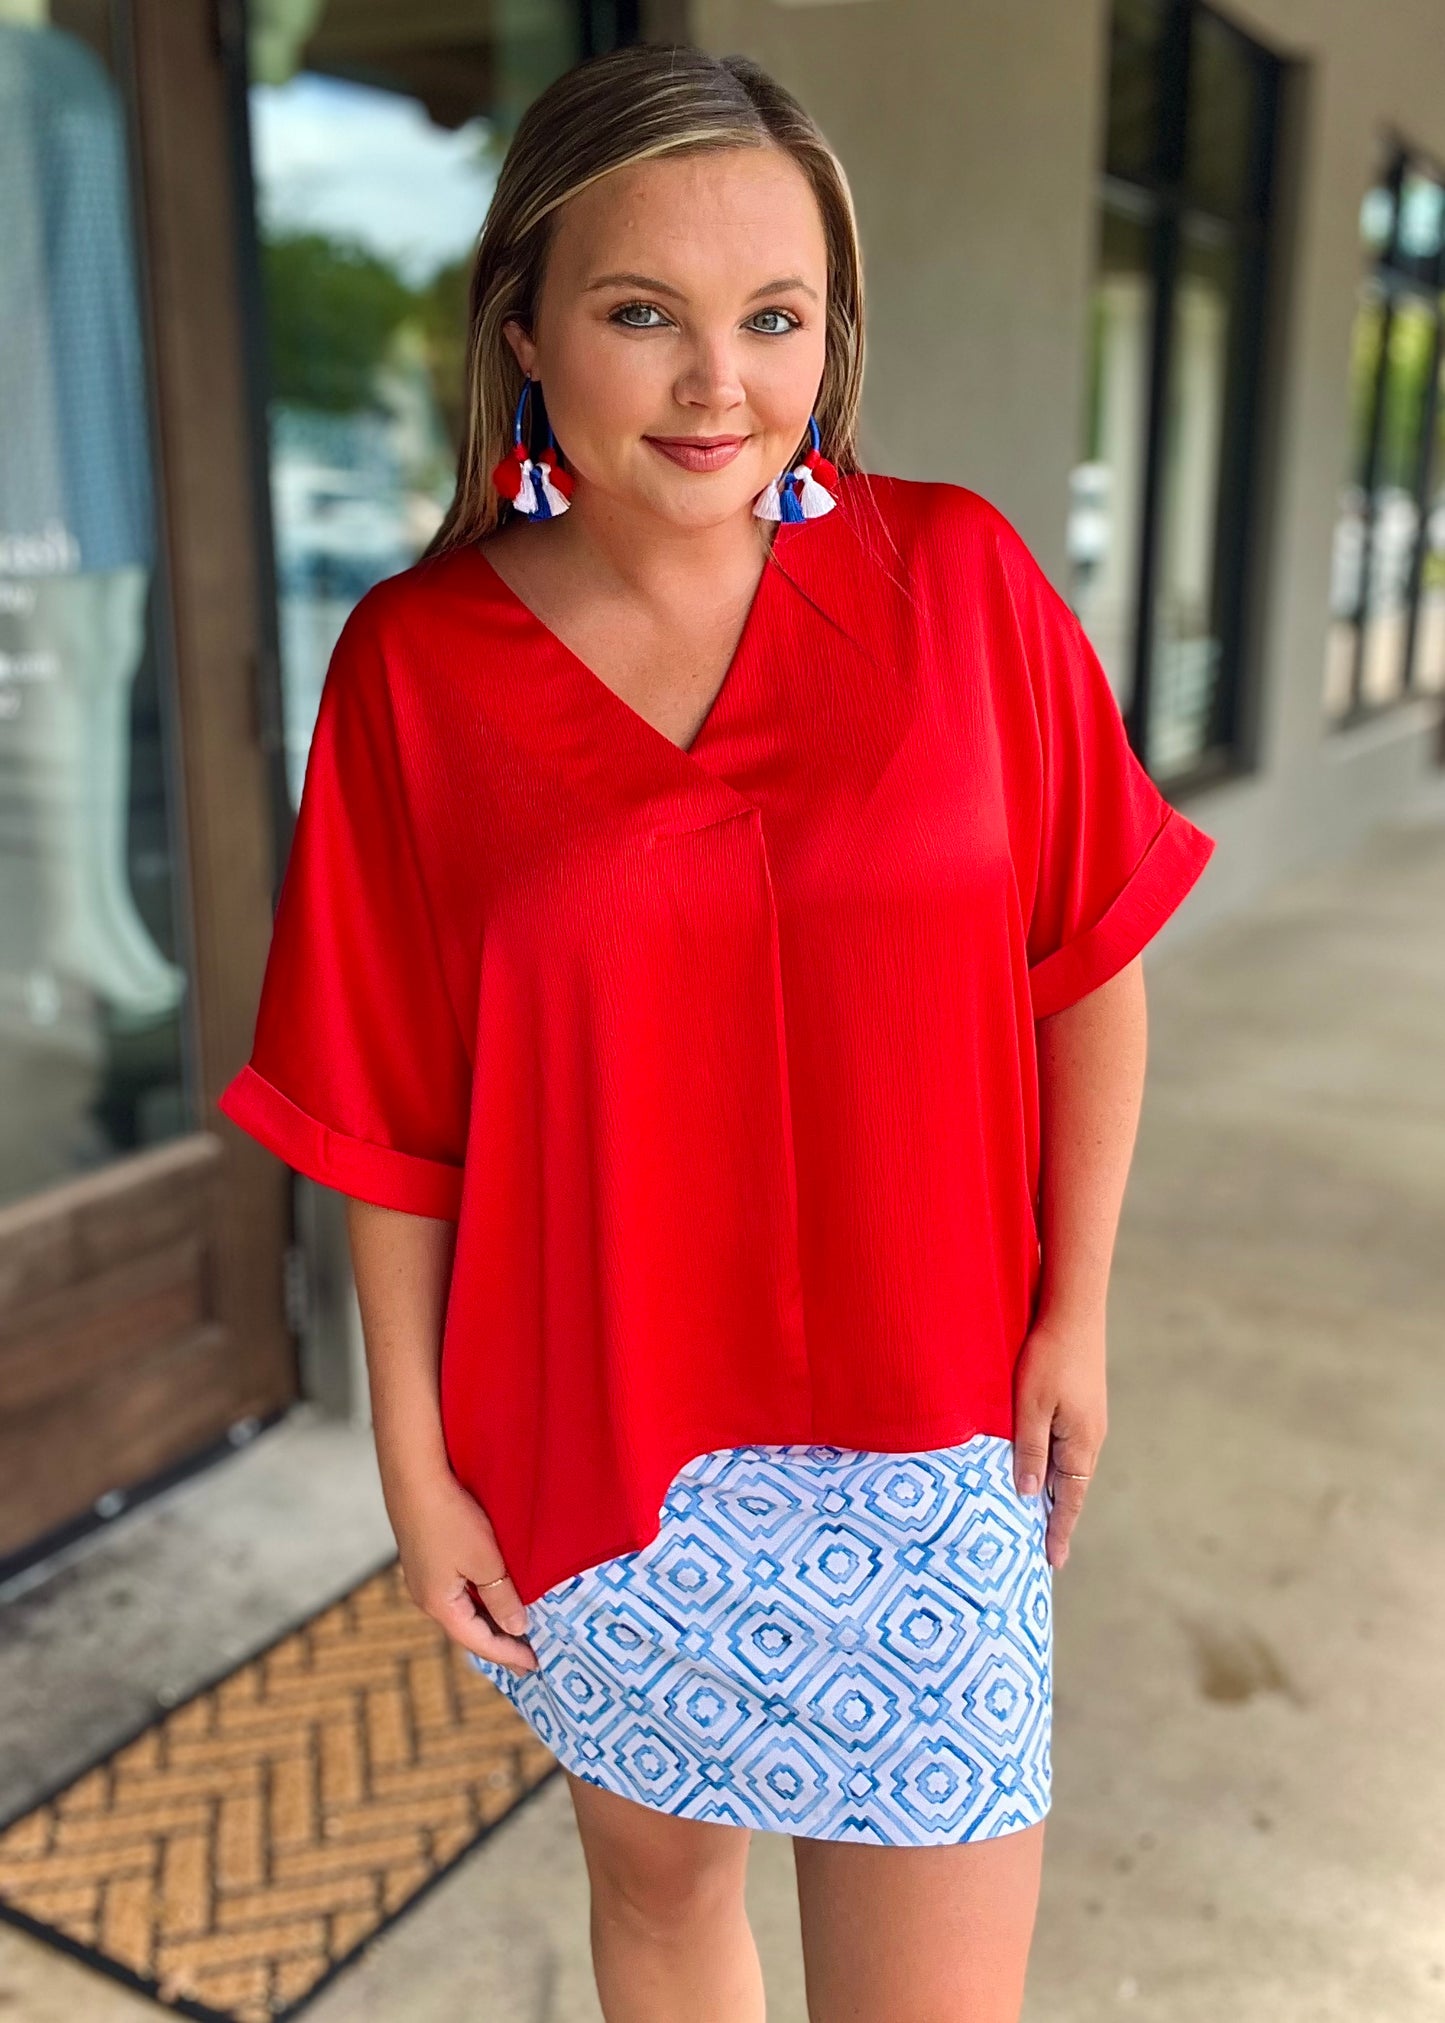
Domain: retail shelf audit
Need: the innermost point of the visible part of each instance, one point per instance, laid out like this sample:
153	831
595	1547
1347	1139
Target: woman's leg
670	1933
918	1934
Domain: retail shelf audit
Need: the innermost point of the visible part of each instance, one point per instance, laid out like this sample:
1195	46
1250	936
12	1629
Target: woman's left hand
1060	1420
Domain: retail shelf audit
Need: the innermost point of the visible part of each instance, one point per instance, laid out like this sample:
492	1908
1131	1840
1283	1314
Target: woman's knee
655	1871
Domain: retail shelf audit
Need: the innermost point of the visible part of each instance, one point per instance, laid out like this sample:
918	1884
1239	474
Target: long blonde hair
633	103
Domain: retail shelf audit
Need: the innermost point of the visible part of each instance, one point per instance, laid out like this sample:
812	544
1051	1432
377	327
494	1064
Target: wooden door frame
201	302
142	1307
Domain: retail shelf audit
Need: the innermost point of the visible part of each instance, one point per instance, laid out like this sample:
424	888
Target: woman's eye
790	321
638	315
622	315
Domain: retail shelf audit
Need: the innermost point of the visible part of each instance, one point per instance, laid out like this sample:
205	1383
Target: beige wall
970	130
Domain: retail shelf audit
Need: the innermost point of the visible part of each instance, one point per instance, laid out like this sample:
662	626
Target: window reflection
90	991
1136	34
1161	501
1422	223
1187	646
1387	579
1396	516
1429	670
1223	87
1347	566
1106	514
376	139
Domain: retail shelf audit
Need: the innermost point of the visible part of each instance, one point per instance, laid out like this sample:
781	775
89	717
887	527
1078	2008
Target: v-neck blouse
722	1059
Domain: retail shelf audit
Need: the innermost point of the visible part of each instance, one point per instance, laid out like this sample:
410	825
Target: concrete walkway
1249	1812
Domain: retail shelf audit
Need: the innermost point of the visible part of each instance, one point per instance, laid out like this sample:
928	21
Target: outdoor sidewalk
1249	1809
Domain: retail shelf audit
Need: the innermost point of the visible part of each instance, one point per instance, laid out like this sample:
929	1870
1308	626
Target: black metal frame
1397	279
1252	235
608	24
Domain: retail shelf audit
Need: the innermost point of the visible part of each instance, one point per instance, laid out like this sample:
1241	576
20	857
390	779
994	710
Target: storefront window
1164	494
1387	585
91	986
376	136
1429	668
1106	520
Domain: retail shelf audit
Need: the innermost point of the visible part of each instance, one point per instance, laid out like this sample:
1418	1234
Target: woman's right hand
446	1542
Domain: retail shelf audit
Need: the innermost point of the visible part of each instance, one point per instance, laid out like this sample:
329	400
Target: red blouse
723	1060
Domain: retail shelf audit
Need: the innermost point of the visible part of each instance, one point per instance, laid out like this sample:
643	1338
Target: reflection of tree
442	316
1411	341
332	311
1407	379
1364	370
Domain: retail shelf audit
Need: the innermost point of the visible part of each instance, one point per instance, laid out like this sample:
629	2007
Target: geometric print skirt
822	1642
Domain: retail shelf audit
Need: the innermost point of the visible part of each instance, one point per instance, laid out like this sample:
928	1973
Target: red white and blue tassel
537	487
805	492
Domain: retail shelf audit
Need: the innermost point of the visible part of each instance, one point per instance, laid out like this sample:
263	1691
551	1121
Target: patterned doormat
247	1844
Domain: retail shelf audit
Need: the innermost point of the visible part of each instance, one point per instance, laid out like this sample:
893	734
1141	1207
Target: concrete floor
1249	1808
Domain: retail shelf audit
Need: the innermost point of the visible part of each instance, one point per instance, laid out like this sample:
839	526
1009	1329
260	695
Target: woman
709	963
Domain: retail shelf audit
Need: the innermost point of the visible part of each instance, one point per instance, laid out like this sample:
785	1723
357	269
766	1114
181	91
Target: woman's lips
698	453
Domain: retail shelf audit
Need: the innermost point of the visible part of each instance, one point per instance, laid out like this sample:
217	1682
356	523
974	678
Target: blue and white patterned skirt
834	1644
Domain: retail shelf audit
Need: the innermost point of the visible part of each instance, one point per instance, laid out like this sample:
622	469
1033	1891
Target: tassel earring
805	492
538	487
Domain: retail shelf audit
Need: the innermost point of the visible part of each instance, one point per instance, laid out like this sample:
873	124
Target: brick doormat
248	1843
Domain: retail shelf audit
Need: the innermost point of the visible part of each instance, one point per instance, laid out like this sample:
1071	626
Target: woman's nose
712	376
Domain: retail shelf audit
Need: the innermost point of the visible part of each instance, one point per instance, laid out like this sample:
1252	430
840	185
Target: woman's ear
523	349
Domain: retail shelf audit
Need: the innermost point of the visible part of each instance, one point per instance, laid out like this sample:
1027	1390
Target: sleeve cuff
1160	880
374	1173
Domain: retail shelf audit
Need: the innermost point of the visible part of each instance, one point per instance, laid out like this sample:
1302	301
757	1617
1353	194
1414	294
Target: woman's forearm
402	1267
1091	1075
449	1555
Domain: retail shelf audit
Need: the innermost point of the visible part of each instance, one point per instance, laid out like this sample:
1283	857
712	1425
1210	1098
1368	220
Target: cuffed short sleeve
358	1074
1114	858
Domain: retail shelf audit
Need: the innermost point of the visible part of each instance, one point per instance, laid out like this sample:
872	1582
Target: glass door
93	976
376	134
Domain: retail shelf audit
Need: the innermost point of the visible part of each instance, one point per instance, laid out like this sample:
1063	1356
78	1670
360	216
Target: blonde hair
632	104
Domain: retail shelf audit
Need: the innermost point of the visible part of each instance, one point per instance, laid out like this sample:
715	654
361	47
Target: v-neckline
689	755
